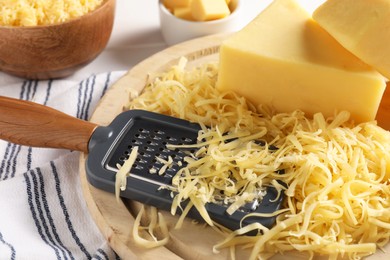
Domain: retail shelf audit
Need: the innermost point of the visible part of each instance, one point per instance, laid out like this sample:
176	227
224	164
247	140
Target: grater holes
159	132
170	139
155	137
137	166
140	160
144	131
140	136
149	149
152	143
146	155
136	142
149	143
186	140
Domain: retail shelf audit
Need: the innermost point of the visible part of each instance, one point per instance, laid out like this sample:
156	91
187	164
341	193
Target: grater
28	123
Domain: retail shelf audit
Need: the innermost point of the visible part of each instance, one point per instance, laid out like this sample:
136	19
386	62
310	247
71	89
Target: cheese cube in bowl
183	20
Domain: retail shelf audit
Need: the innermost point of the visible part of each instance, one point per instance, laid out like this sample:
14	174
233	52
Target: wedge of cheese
362	27
286	60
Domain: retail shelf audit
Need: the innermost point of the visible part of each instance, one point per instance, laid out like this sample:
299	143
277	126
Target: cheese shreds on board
156	222
43	12
337	172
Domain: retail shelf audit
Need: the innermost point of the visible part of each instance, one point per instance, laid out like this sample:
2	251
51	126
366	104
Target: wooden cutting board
115	220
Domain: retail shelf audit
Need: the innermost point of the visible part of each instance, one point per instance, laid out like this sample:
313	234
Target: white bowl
176	30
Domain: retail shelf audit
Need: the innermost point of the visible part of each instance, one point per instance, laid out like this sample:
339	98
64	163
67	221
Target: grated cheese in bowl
337	173
43	12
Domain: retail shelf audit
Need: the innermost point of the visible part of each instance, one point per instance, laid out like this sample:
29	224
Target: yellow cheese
362	27
43	12
183	13
285	60
172	4
206	10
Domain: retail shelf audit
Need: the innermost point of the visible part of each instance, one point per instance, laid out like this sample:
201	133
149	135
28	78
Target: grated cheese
157	221
337	173
43	12
166	164
124	171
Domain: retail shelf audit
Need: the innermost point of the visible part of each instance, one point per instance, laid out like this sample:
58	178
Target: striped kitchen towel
42	211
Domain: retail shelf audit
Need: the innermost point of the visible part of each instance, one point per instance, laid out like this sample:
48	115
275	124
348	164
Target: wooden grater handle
32	124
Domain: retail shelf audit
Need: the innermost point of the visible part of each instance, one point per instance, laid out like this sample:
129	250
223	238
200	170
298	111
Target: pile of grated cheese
337	173
43	12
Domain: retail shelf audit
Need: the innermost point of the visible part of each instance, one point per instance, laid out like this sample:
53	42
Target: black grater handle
28	123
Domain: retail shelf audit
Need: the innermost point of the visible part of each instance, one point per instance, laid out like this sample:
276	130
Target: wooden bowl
59	50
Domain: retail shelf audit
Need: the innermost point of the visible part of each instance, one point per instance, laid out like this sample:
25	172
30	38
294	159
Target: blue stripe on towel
40	201
11	248
10	159
23	88
45	203
103	253
85	94
31	89
5	159
83	87
48	90
84	99
30	200
106	84
78	111
14	161
89	97
65	211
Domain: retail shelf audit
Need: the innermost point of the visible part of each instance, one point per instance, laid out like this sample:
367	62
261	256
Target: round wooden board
115	220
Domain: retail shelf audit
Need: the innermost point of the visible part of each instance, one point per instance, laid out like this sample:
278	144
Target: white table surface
136	34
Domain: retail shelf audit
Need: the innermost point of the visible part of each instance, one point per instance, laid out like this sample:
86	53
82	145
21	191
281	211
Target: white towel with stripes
42	211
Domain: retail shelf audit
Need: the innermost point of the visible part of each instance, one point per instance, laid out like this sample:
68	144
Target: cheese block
362	27
206	10
284	59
